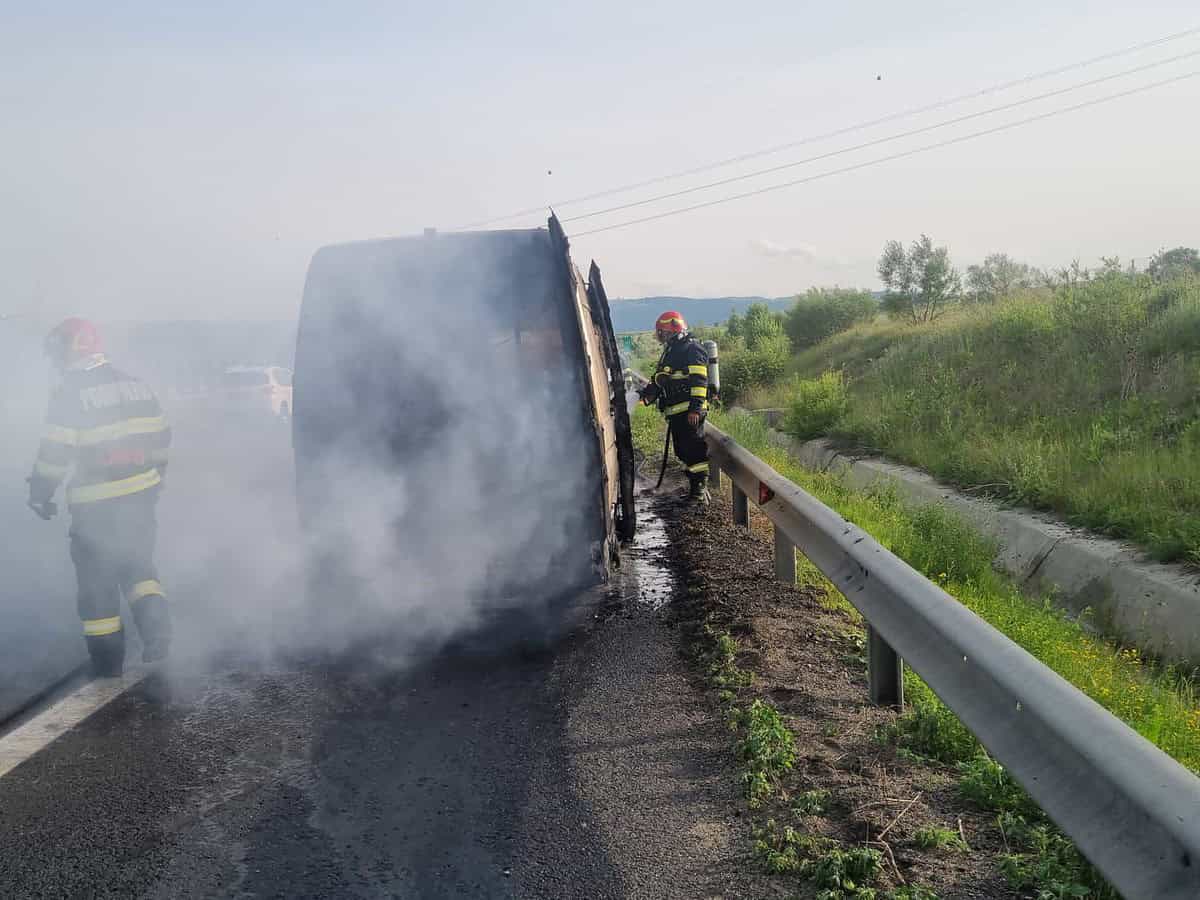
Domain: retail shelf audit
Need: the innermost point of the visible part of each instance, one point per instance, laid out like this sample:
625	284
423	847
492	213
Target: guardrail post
885	671
741	512
1131	809
714	474
785	558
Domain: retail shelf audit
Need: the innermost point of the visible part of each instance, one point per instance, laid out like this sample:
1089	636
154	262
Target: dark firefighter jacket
110	428
680	384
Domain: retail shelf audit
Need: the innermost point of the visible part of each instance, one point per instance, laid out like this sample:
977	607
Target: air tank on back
714	369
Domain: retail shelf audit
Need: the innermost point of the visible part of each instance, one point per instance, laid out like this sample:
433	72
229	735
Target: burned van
459	424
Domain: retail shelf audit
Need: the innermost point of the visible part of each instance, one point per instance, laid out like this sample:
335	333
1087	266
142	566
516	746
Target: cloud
765	247
811	255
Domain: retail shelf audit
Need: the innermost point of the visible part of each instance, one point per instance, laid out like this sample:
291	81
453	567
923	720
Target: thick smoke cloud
39	631
442	433
448	466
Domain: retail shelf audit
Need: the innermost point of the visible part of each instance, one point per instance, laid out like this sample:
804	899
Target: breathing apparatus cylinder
714	369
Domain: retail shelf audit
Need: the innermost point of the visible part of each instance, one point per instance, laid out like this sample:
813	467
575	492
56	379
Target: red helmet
671	321
72	340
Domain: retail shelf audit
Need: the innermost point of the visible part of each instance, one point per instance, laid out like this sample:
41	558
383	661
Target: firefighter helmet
670	322
73	340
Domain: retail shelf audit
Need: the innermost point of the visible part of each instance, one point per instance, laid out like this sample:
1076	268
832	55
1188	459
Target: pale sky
186	163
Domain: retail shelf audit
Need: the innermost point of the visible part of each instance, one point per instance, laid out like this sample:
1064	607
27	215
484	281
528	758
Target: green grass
846	873
764	744
989	785
1041	858
912	892
931	837
786	849
811	803
1157	703
766	748
928	729
648	430
718	660
1085	402
817	406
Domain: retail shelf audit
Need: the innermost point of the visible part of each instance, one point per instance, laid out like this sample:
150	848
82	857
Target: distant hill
639	314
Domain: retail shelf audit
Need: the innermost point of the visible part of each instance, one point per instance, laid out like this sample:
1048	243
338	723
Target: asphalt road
226	533
592	770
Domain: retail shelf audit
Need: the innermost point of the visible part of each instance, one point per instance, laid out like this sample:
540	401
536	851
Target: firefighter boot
698	492
108	654
154	625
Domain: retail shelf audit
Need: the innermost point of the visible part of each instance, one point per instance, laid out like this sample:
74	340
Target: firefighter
109	428
680	388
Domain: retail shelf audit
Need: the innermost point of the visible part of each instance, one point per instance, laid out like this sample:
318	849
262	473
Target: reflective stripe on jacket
109	428
681	382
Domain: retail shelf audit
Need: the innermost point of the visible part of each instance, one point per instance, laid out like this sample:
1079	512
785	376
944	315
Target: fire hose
662	469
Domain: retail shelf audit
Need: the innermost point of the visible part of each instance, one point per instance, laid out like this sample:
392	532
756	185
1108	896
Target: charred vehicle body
460	429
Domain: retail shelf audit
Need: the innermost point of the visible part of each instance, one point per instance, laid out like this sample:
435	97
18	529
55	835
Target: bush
931	730
1075	398
823	312
760	327
742	370
989	785
819	404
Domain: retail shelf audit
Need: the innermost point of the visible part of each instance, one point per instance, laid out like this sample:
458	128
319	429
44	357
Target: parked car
265	390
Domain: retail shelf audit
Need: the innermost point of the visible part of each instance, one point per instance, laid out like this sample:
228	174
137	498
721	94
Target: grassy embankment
1085	402
1159	704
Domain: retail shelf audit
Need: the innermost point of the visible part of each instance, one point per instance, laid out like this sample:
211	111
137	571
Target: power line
891	117
894	156
885	140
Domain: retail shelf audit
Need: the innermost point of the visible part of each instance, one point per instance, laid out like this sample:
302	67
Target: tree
761	327
820	313
920	282
733	326
754	351
997	277
1067	277
1168	264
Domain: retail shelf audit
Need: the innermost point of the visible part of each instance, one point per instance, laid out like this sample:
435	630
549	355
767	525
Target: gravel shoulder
806	655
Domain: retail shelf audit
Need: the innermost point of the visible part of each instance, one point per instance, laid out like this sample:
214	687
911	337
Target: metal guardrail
1130	808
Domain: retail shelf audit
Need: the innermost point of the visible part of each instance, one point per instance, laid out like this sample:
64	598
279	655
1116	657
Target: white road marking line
47	726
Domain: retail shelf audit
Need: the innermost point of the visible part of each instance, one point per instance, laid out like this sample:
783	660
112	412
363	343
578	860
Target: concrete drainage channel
1155	606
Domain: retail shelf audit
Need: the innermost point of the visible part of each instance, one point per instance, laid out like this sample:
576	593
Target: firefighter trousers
112	547
690	447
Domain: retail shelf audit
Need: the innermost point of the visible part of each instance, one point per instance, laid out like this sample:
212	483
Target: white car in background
265	390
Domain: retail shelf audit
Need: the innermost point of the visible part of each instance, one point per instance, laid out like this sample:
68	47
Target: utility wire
891	117
886	140
894	156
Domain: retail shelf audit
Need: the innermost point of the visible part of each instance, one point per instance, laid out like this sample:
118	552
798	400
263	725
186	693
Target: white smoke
463	483
39	634
477	490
